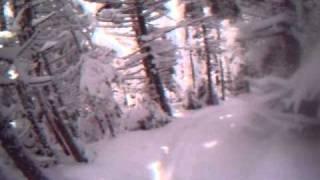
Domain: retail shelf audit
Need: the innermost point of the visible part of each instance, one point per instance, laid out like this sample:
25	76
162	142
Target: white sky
102	38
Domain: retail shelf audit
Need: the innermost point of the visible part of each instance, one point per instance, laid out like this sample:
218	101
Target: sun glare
155	168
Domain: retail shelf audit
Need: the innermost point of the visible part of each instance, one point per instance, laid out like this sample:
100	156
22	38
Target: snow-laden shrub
195	99
191	101
100	112
147	115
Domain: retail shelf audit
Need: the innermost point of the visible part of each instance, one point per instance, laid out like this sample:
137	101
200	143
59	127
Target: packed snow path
222	143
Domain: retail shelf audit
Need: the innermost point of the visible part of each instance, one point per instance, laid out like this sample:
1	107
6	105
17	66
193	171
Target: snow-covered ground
225	143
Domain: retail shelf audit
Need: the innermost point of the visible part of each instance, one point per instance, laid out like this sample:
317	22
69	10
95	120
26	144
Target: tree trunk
26	21
29	108
223	89
222	78
193	72
3	25
50	121
60	117
212	99
67	136
154	80
16	152
191	97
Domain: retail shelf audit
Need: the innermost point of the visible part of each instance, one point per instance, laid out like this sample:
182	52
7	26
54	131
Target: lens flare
155	168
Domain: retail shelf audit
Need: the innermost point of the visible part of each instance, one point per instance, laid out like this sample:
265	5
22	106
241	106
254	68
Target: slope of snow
227	142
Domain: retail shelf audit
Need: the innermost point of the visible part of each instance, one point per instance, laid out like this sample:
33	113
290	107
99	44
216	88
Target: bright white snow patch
13	74
165	149
227	116
6	34
13	124
210	144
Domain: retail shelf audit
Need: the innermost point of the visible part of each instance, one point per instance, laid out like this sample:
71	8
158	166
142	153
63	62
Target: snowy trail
245	154
214	143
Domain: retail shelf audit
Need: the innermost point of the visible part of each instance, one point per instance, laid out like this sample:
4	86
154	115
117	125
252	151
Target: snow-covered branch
264	27
42	19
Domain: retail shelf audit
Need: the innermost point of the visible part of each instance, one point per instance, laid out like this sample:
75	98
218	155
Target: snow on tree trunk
26	94
15	150
29	107
191	101
221	67
59	121
13	147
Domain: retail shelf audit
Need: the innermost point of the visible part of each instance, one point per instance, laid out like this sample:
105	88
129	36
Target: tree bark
191	70
13	147
20	158
222	77
212	99
3	25
65	133
50	121
67	136
29	107
154	80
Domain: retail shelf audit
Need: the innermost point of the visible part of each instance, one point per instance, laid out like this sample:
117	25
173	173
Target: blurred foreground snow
228	142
